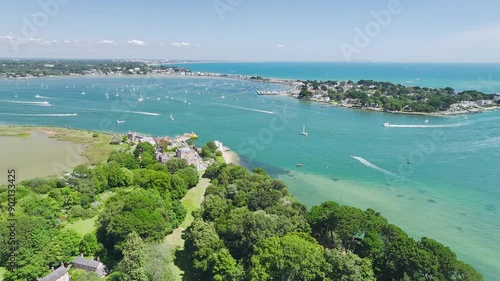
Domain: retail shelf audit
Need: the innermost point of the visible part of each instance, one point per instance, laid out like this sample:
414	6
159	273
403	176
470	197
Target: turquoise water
449	191
481	77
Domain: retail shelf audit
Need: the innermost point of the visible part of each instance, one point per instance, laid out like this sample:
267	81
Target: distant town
364	94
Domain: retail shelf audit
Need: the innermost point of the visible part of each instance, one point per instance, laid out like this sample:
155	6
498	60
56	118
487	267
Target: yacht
387	124
120	121
38	96
171	117
304	133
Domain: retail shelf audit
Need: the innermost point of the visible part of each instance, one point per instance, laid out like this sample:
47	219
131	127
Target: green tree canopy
139	210
291	257
133	263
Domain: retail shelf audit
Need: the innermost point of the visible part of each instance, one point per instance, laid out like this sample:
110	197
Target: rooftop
56	274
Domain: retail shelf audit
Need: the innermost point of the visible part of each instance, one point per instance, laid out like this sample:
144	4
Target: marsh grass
97	146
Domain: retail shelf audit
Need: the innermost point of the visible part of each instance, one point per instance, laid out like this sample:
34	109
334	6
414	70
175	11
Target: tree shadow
182	262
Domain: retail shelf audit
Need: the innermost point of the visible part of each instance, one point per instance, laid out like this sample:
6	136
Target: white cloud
181	44
23	40
67	41
107	42
136	42
280	46
47	42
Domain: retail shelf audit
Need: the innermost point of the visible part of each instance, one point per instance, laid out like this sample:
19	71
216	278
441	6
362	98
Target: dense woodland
389	96
249	227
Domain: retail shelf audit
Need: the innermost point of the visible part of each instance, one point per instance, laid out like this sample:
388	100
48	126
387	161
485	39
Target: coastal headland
364	94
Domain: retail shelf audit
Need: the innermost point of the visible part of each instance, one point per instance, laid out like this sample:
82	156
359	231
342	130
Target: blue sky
254	30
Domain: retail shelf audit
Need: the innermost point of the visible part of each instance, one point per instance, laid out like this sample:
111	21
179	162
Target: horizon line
175	61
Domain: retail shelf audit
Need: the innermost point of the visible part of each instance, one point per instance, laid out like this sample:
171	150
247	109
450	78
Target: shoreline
435	114
271	80
231	157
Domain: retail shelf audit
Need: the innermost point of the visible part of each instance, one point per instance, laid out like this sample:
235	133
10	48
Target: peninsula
364	94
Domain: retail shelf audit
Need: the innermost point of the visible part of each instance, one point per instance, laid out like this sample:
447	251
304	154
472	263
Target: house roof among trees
56	274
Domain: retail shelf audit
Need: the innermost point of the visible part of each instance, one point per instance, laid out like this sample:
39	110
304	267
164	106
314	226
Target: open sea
449	191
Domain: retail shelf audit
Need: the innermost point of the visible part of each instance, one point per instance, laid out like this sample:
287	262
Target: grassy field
192	201
83	227
97	147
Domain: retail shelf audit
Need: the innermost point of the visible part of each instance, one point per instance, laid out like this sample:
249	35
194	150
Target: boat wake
373	166
41	97
245	108
41	115
38	103
138	112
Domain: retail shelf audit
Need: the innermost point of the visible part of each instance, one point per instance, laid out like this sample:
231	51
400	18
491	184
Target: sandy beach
231	157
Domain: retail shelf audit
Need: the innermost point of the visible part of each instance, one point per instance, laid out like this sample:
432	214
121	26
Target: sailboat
304	133
140	98
107	95
171	117
426	119
83	92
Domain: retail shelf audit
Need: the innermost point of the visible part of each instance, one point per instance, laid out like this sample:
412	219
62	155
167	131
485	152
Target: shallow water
38	156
